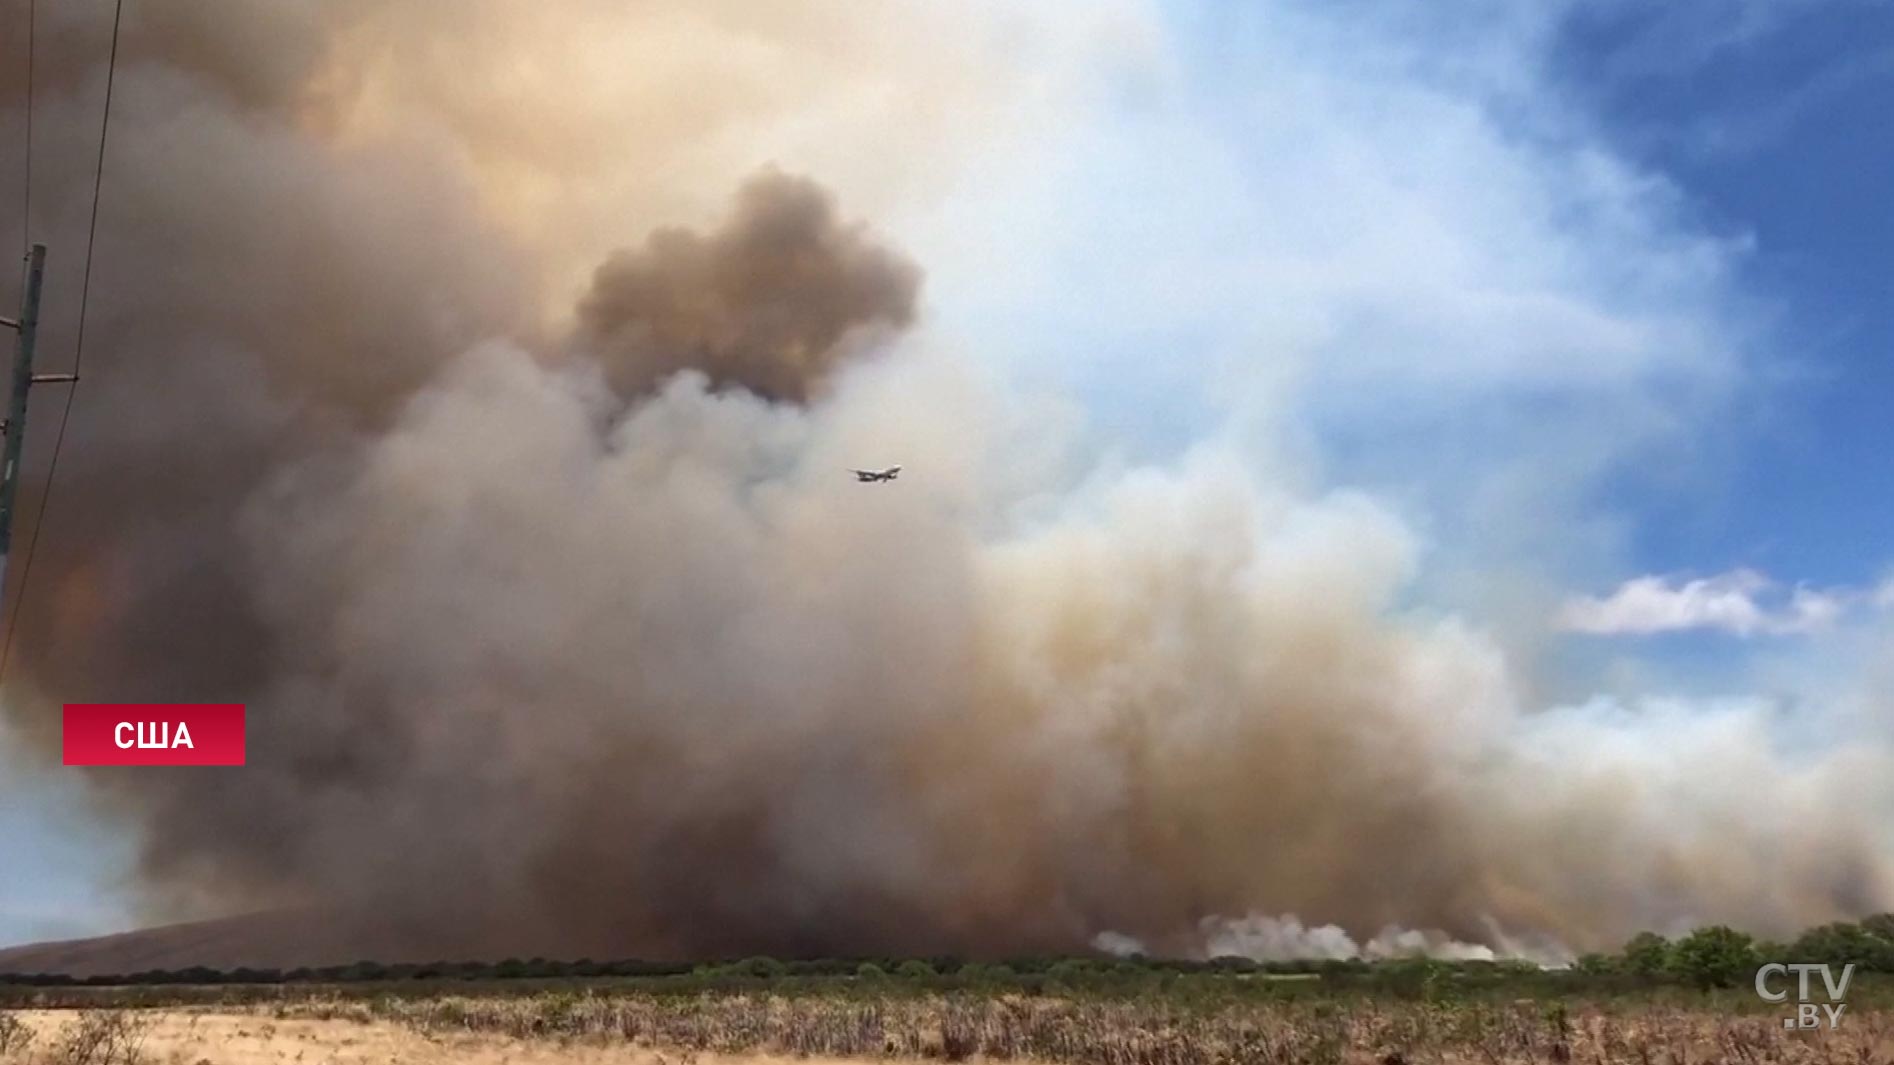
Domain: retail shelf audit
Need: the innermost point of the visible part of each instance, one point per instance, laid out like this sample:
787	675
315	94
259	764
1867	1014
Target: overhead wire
26	176
78	354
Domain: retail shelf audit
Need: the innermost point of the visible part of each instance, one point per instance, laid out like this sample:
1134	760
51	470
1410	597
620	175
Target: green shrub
1647	954
759	967
1842	944
1596	964
1718	956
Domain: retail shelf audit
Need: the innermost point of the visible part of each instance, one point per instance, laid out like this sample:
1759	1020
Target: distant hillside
275	940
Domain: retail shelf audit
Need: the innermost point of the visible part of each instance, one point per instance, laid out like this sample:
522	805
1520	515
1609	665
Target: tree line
1715	956
1721	956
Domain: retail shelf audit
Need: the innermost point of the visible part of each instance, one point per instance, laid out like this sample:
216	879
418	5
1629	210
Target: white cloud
1742	602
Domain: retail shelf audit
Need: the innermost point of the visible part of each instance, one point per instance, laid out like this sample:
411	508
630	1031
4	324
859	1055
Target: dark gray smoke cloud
772	302
565	632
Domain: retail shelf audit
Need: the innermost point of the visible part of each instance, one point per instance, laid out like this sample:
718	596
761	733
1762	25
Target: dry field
179	1037
574	1029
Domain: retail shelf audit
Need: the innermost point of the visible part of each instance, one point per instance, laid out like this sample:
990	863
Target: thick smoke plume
563	630
771	303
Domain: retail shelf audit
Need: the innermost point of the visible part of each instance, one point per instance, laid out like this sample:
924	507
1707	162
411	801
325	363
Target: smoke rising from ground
1265	938
565	632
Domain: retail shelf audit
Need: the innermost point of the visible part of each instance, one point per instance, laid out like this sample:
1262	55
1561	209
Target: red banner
154	733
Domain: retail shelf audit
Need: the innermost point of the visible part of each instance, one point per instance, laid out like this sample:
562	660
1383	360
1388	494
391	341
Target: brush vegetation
1710	957
1656	1000
965	1025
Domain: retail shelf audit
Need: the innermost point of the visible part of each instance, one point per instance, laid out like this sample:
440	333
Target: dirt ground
177	1037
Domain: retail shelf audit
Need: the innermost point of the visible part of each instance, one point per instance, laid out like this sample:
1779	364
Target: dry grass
1134	1032
15	1036
91	1037
577	1029
208	1037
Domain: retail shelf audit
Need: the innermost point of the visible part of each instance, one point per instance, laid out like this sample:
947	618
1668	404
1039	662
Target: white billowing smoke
677	642
575	620
1265	938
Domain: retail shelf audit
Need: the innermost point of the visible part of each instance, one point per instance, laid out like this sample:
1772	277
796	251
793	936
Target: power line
26	179
78	354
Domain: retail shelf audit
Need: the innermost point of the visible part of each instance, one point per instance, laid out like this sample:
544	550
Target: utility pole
27	326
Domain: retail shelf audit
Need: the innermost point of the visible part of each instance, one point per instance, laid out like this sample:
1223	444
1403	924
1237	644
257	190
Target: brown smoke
604	653
771	303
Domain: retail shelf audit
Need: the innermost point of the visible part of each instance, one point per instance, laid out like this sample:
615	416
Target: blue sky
1777	131
1597	295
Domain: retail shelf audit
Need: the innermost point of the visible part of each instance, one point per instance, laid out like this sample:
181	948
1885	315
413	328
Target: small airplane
877	475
